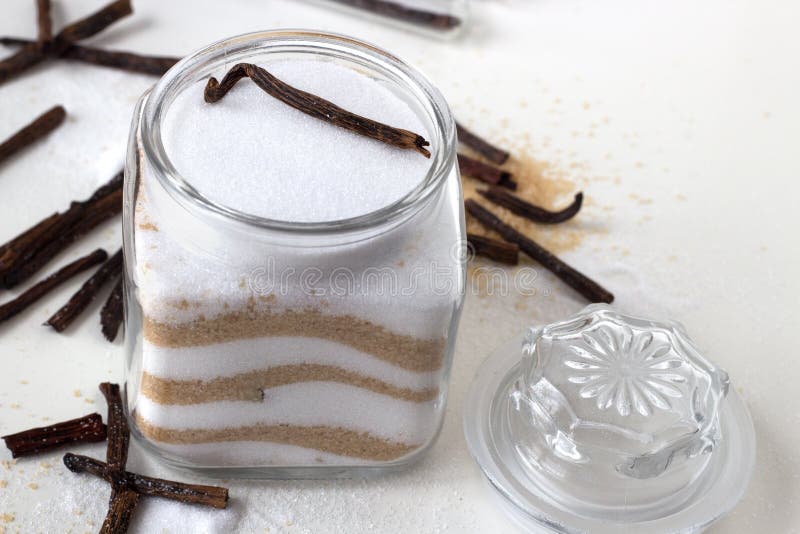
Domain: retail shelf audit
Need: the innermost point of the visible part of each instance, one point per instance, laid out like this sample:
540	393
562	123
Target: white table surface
679	120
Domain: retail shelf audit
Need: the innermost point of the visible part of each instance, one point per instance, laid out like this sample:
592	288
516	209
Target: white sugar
254	153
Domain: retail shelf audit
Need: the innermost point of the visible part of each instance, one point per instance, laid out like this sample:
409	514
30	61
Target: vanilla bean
494	154
120	510
86	429
499	251
22	249
315	106
126	488
91	25
24	240
387	8
485	172
12	308
20	61
587	287
43	22
40	127
123	498
111	314
127	61
86	294
34	53
534	213
213	496
81	223
118	432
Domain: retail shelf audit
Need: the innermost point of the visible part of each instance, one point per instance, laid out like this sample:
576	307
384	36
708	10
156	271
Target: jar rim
443	136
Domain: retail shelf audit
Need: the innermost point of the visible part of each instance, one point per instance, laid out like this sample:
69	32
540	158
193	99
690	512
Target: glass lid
606	422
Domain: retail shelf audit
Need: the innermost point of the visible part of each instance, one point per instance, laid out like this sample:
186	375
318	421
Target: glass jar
442	19
265	348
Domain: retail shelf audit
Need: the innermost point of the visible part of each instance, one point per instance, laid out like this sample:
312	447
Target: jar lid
606	422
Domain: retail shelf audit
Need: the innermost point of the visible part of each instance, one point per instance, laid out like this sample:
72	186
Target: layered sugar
237	356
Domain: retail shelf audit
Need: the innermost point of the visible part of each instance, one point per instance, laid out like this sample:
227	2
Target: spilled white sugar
254	153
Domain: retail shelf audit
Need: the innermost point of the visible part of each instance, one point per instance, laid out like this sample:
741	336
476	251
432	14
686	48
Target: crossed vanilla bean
43	22
40	127
36	52
86	429
315	106
126	487
127	61
581	283
529	211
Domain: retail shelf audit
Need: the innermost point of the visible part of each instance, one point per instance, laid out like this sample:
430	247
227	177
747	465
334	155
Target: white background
691	107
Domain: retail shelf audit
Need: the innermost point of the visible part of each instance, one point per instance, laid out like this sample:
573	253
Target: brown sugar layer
404	351
334	440
250	385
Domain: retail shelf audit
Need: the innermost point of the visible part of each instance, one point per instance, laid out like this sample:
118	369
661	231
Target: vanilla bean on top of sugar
316	107
36	52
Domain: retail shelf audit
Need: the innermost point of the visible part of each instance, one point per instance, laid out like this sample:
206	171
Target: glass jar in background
443	19
265	348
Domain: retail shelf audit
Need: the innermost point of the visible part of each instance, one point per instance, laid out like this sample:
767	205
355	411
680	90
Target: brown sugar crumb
3	484
77	393
6	518
14	406
148	226
33	486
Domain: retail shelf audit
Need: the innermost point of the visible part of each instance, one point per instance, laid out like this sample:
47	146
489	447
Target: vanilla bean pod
13	307
19	253
86	429
499	251
86	294
485	172
95	214
127	488
494	154
116	59
529	211
315	106
36	52
581	283
112	313
40	127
